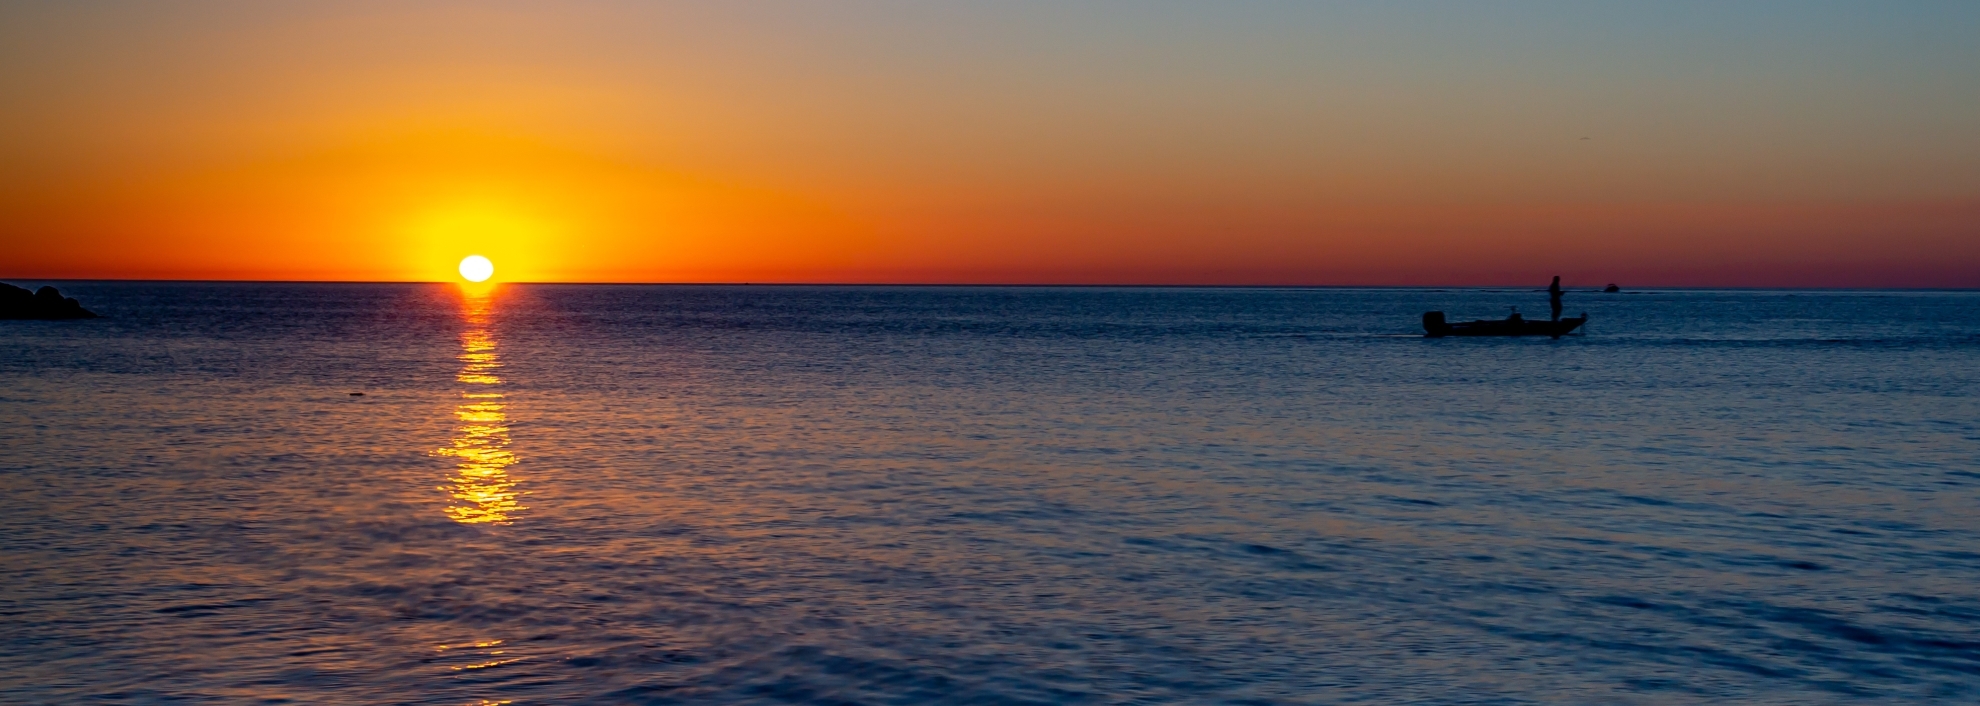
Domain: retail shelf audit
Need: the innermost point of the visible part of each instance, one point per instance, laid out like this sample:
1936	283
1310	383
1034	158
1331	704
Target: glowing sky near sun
1756	143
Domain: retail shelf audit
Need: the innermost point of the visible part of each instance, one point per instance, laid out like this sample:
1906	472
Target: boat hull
1434	326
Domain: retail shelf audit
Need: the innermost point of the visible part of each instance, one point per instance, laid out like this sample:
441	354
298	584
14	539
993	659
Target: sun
477	268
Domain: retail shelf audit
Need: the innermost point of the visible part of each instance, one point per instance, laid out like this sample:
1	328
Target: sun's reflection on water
483	492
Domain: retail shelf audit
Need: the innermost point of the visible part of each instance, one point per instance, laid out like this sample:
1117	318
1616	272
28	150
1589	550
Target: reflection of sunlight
476	290
485	654
482	489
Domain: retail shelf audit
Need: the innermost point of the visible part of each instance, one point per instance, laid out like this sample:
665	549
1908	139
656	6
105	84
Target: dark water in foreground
649	495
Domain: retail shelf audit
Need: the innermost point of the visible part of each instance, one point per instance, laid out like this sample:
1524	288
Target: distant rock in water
44	303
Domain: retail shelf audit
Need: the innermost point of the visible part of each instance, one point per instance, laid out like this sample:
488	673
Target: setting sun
477	268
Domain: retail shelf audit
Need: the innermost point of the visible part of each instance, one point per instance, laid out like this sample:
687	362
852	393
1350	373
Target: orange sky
1798	144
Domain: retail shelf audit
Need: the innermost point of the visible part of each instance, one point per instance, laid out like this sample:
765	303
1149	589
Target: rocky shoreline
45	304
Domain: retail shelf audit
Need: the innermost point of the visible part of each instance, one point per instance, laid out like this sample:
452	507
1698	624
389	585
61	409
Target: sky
1803	143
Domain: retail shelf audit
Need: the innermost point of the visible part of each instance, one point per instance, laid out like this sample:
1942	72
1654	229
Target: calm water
649	495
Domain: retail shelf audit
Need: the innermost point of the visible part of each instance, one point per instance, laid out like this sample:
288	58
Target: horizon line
1029	285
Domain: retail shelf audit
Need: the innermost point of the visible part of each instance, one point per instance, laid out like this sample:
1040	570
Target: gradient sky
1669	143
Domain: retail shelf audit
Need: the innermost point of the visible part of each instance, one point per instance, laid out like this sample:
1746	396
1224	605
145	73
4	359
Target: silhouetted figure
1554	297
1515	318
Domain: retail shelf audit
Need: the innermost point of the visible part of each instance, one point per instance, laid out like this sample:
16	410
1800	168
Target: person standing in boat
1554	297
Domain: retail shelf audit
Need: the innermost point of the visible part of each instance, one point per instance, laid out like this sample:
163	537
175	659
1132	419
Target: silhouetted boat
1434	326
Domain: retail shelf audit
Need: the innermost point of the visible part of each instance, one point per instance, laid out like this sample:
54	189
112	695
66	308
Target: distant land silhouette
46	303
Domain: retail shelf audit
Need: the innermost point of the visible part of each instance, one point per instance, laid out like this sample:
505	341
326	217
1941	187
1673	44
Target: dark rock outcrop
44	303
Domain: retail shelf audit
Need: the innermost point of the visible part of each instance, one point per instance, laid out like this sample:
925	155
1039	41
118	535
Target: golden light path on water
481	488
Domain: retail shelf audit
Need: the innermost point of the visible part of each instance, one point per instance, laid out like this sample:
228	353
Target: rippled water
605	494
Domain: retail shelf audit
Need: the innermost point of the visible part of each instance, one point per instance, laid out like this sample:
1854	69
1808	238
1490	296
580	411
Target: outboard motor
1434	325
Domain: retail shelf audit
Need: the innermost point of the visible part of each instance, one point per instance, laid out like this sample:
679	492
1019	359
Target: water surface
650	495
